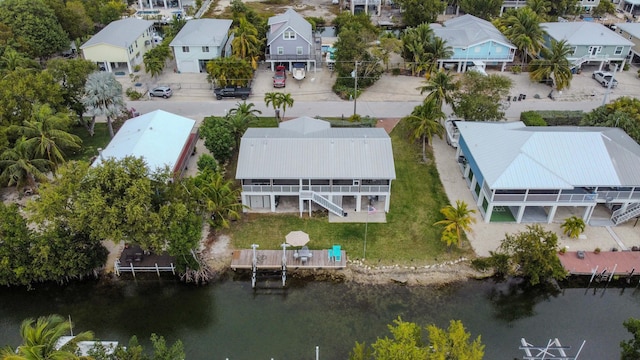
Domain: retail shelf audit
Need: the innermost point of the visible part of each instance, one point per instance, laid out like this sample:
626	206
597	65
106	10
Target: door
594	50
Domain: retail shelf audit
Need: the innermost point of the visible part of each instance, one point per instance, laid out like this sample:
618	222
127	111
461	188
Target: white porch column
552	214
272	201
140	4
150	4
165	4
487	215
108	66
129	66
481	197
300	205
245	205
358	202
520	213
586	216
504	66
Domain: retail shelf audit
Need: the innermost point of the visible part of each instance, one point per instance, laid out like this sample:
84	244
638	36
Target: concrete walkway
487	237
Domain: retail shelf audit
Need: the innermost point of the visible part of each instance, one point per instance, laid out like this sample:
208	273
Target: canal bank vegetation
407	238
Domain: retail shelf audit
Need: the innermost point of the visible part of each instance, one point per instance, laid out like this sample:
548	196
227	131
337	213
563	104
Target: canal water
230	320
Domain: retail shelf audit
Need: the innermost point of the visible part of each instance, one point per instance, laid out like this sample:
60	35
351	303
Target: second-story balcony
289	57
323	189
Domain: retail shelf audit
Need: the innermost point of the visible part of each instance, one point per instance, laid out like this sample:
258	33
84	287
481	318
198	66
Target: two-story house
199	41
591	43
584	5
308	163
120	46
631	31
290	39
524	174
475	42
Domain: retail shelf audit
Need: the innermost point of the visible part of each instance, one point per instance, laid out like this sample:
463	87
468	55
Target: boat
298	71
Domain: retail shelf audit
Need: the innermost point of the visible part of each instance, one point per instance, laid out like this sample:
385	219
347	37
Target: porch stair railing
619	216
322	201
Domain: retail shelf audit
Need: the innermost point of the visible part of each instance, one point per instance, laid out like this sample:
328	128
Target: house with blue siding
199	41
290	39
475	42
591	43
525	174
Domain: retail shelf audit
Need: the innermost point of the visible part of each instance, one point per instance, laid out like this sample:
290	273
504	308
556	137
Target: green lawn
408	237
90	144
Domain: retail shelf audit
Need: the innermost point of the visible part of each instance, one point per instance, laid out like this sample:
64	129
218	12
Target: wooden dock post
157	270
284	263
132	270
254	265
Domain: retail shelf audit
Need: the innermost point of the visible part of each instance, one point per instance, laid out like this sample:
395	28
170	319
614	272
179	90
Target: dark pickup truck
232	92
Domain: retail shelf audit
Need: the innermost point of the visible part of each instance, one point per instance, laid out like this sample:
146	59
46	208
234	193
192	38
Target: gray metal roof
584	33
513	156
631	28
203	32
307	148
120	33
468	30
290	20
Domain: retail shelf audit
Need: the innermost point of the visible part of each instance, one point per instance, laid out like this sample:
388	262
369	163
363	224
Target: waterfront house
199	41
311	164
591	43
523	174
290	39
161	138
120	46
475	42
584	5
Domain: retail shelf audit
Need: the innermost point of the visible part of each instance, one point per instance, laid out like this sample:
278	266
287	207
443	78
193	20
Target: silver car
161	91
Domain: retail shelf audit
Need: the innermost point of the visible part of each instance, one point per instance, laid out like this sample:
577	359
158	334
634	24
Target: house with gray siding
308	163
591	43
290	39
199	41
524	174
631	31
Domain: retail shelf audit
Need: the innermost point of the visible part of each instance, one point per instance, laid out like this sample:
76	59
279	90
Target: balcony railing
558	198
292	57
613	195
295	189
365	2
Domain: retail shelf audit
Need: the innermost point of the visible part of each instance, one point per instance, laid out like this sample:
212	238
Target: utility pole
606	93
355	92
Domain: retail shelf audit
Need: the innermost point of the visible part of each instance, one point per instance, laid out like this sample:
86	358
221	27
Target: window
205	49
299	50
185	49
280	50
131	49
573	50
618	50
289	35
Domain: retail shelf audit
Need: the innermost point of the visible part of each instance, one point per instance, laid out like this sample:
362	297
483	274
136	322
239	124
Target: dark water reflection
230	320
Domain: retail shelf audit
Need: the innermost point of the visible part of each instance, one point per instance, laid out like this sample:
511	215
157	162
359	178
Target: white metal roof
631	28
584	33
513	156
158	137
203	32
307	148
120	33
468	30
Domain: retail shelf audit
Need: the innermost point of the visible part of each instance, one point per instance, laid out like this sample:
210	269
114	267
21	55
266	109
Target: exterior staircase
619	216
322	201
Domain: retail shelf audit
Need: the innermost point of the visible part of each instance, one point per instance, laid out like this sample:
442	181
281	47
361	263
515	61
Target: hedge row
552	117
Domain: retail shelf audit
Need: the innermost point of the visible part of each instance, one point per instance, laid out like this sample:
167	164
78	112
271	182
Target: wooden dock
134	260
621	263
272	260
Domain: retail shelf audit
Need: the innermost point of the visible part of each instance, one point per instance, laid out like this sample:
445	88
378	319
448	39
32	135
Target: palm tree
153	64
553	65
103	96
424	122
440	87
246	44
437	49
245	109
40	340
573	226
20	167
522	27
457	219
415	42
540	7
274	99
286	101
45	134
217	197
238	124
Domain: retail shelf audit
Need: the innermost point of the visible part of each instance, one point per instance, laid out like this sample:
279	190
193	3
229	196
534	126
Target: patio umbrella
297	238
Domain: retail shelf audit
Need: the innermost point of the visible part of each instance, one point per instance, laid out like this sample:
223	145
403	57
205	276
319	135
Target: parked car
280	77
232	92
604	78
161	91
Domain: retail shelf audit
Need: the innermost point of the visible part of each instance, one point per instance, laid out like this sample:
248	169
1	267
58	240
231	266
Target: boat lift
553	350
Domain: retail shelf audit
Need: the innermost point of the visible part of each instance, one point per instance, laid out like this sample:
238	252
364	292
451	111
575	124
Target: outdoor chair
337	253
330	254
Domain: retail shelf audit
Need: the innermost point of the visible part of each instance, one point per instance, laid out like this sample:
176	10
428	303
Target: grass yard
408	237
90	144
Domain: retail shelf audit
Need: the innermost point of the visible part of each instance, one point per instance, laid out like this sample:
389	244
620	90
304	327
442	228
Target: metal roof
120	33
513	156
307	148
584	33
468	30
631	28
290	20
203	32
158	137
